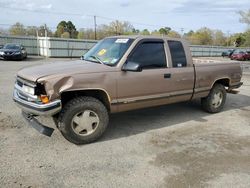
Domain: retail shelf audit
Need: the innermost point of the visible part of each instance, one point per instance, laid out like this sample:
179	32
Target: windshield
108	51
11	46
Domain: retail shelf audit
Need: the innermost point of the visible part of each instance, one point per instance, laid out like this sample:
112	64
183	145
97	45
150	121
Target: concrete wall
51	47
207	51
30	43
57	47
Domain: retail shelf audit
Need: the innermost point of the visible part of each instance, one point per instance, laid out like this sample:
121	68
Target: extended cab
120	74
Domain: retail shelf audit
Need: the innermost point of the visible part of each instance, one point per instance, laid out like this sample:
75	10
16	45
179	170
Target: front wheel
83	120
216	99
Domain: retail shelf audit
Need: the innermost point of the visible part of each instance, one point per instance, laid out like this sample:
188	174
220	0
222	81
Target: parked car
119	74
13	52
240	55
227	53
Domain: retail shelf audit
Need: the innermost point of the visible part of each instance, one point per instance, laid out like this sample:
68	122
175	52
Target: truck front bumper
34	108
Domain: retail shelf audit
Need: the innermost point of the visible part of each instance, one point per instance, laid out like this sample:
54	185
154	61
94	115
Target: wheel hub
217	99
85	123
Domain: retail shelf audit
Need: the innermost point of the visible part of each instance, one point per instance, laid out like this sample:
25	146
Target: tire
83	120
216	99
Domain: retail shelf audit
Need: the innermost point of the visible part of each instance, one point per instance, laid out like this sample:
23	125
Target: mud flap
48	131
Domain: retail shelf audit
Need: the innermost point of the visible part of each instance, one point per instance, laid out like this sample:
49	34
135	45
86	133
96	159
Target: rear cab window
178	55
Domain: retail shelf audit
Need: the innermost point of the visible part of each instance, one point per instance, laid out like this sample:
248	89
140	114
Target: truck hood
64	68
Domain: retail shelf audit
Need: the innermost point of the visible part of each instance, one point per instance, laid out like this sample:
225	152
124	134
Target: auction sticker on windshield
102	52
121	41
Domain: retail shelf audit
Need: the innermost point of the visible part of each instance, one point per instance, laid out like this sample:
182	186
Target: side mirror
131	66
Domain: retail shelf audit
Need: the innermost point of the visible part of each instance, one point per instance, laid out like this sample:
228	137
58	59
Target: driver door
140	89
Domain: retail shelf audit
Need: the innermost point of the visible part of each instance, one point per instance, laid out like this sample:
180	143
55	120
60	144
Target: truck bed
212	60
208	70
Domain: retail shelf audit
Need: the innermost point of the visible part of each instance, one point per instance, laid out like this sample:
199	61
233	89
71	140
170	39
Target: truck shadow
135	122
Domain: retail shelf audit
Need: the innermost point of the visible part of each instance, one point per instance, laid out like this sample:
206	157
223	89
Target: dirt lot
172	146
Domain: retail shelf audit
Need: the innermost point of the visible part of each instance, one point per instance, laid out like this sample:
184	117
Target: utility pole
95	26
37	42
228	35
116	27
46	40
182	32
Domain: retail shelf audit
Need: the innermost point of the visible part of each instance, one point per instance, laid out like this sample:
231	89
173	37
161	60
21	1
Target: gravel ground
177	145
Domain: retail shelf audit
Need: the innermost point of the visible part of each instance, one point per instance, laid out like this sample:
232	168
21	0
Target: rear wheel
83	120
216	99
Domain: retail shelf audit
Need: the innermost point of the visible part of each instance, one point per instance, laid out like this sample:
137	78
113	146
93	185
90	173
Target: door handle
168	75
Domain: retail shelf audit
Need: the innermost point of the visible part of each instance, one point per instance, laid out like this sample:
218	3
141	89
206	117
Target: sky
178	14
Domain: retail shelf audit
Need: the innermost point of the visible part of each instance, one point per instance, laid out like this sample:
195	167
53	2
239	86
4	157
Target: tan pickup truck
120	74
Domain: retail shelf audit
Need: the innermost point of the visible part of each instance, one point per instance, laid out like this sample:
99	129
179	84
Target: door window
149	55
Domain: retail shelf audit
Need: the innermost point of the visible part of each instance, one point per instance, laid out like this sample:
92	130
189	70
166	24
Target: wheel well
225	82
98	94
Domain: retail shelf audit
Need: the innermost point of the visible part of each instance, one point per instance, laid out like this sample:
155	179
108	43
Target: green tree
164	30
89	34
72	29
245	17
65	35
3	31
41	31
155	33
247	38
188	34
202	36
219	38
17	29
118	28
31	30
80	34
135	31
173	34
243	39
145	32
63	27
115	28
237	39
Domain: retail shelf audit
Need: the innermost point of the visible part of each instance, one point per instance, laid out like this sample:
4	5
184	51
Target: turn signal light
44	99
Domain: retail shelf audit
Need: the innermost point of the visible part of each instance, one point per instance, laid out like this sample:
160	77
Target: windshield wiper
97	58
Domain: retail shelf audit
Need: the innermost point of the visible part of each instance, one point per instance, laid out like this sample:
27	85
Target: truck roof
147	37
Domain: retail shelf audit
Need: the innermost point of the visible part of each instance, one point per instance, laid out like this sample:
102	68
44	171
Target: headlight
17	53
28	89
1	53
